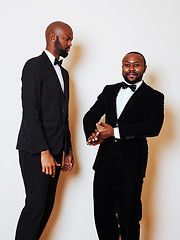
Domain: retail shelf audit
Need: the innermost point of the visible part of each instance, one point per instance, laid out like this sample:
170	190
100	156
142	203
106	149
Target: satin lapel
112	100
54	74
66	86
138	93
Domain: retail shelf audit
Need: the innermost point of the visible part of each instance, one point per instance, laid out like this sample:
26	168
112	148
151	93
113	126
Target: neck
51	50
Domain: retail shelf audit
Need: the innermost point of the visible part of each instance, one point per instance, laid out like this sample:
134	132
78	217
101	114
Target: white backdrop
104	31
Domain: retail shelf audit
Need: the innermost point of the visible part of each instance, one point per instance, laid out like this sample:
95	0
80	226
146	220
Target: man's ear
53	37
145	67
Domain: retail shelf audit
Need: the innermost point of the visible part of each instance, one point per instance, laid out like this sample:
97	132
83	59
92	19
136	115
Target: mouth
67	49
131	74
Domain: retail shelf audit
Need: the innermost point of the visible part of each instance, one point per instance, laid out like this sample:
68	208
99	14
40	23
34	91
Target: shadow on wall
156	145
66	177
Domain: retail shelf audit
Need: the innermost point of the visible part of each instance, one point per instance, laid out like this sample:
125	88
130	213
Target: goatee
138	79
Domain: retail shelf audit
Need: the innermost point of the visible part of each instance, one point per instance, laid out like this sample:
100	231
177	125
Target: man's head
133	67
59	38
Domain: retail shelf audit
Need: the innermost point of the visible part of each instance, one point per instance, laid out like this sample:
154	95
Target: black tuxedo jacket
45	108
142	117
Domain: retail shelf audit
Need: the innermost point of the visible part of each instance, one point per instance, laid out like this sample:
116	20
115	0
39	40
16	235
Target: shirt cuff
116	133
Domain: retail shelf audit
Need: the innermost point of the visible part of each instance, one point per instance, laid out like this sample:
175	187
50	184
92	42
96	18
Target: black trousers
40	194
117	205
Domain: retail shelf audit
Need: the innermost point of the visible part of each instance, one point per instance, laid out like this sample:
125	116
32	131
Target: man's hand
94	138
99	135
106	130
48	163
68	162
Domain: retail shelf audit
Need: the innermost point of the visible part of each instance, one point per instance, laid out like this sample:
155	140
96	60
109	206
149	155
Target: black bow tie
132	87
58	62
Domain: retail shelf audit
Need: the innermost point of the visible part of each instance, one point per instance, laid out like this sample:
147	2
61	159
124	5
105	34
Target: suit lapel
54	74
133	99
66	85
112	101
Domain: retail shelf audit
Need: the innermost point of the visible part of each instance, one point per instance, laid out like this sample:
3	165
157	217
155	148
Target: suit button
115	140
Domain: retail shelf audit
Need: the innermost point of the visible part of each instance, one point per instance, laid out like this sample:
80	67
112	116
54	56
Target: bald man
44	133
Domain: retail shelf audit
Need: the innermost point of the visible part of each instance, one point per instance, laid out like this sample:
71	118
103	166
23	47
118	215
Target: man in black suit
44	133
133	111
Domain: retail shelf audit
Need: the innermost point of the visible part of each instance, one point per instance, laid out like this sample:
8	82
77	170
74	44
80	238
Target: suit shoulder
153	91
33	68
111	87
32	62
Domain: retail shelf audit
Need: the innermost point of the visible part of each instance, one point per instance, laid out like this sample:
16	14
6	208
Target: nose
70	43
131	68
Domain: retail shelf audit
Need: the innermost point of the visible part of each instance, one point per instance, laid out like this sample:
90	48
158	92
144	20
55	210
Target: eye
68	39
126	64
136	65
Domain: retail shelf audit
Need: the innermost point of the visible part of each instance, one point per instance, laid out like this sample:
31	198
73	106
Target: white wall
104	31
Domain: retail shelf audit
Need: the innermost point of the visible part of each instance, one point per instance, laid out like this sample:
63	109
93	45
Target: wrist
70	148
45	152
112	132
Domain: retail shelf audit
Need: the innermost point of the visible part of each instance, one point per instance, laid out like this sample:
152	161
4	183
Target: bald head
58	38
55	28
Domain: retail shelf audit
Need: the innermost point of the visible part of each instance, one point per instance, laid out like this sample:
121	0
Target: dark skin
59	38
133	69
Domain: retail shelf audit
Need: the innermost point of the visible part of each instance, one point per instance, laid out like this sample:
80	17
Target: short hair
139	54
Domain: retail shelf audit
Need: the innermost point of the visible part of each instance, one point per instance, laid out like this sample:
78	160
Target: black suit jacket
142	117
45	108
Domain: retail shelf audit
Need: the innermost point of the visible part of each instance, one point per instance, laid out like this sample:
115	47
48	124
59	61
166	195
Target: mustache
131	73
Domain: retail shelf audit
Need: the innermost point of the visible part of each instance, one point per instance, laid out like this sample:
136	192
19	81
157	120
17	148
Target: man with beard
133	111
44	133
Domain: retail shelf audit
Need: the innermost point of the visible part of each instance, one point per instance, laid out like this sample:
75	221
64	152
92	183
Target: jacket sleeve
32	78
151	126
94	114
68	144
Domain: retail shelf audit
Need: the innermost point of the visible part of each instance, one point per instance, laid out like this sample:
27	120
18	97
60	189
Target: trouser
117	205
40	194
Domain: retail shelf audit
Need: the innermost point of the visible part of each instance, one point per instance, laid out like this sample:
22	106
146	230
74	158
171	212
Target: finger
69	168
94	137
53	171
50	170
101	124
89	140
97	132
57	164
46	170
66	167
43	169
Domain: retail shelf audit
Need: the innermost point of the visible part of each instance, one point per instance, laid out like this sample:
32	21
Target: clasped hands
99	135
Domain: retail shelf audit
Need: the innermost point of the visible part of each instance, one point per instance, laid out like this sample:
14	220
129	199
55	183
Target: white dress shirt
56	67
121	100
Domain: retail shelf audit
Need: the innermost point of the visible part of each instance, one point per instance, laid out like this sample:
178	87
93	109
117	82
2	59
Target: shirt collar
51	56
